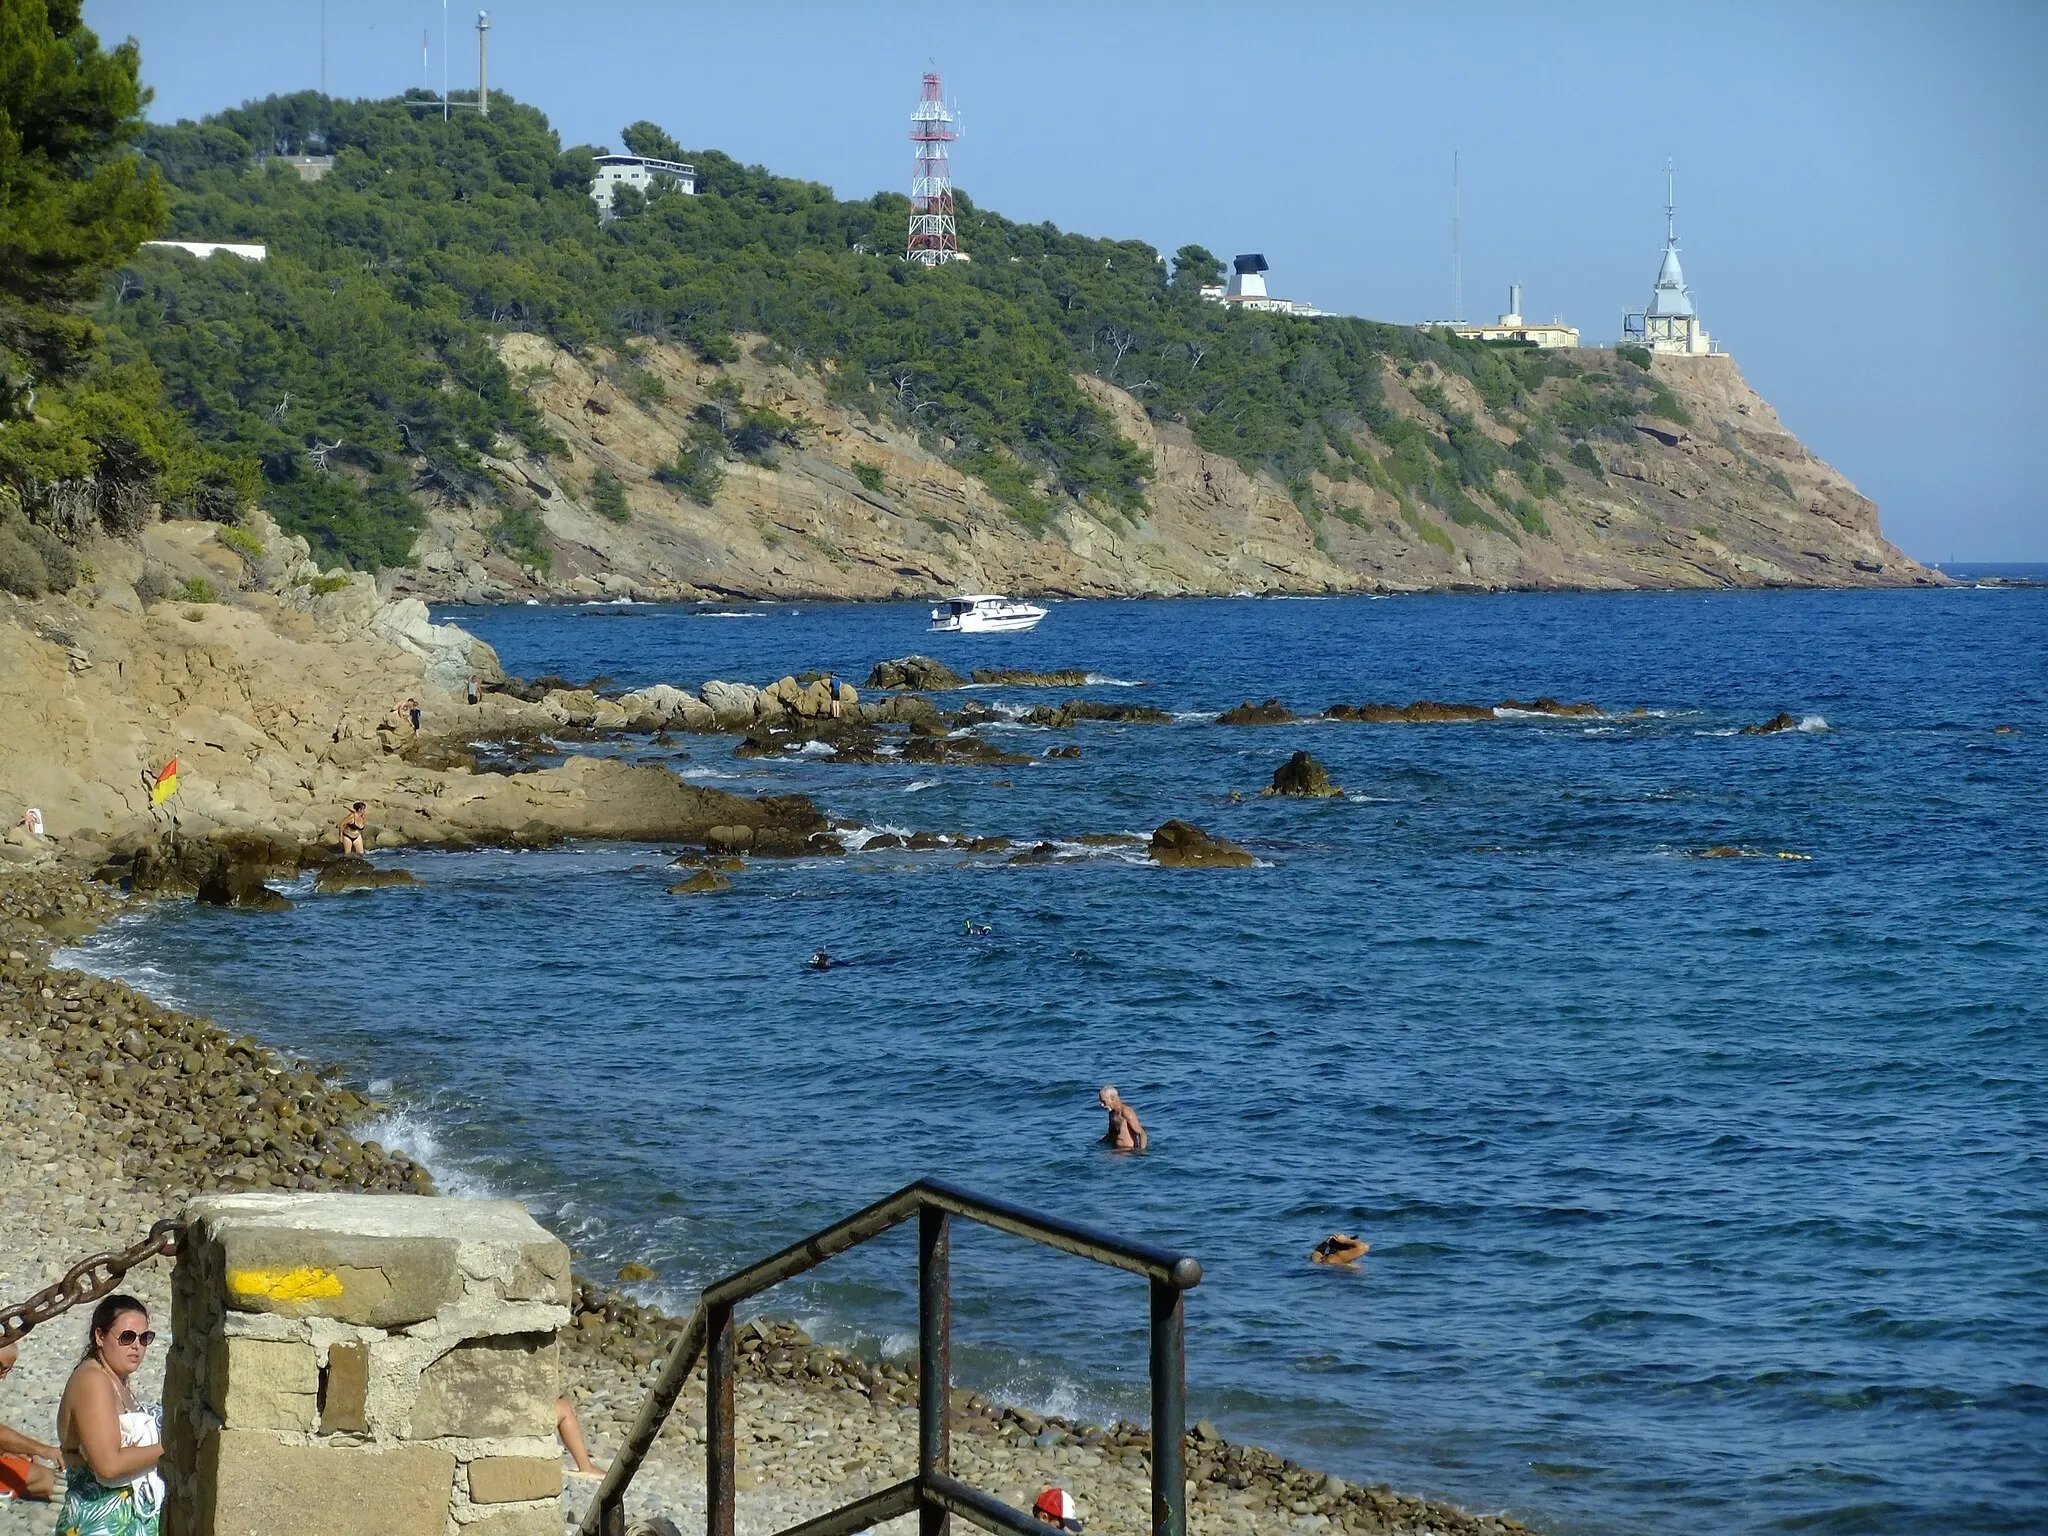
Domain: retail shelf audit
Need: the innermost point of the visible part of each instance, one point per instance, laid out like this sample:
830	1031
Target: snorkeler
821	961
974	930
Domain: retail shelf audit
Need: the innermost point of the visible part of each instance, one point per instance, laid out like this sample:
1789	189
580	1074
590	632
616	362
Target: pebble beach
117	1109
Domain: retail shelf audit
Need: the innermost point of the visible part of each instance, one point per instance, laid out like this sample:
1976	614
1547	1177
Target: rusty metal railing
934	1494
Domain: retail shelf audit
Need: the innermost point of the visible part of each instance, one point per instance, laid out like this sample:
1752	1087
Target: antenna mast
323	47
1457	252
934	236
483	88
444	61
1670	201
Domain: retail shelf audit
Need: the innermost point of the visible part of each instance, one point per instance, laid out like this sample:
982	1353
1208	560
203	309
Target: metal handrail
933	1492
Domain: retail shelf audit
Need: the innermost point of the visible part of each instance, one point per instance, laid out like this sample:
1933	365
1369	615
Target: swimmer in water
974	930
1339	1248
1125	1133
821	961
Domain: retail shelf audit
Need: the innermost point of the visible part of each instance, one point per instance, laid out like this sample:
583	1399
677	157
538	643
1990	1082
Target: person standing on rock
476	690
1125	1133
352	826
22	1473
412	708
111	1443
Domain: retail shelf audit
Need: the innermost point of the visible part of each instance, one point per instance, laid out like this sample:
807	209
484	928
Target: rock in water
1272	712
913	672
704	880
353	874
1303	775
1185	846
1010	677
1778	722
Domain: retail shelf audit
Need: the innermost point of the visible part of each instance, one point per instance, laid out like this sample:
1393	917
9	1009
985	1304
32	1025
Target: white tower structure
1670	324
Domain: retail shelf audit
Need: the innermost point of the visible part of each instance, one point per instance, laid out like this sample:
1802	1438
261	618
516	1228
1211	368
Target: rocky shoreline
119	1109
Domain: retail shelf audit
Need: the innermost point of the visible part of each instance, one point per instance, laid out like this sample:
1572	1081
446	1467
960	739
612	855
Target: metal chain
88	1280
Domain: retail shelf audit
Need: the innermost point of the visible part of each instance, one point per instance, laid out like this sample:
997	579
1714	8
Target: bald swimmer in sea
1125	1133
1339	1248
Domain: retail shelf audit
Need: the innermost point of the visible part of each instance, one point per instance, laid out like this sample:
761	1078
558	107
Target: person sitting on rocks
352	826
571	1434
1339	1248
1125	1133
111	1443
23	1473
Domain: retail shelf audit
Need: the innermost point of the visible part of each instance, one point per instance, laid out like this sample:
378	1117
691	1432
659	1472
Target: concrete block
250	1485
345	1390
511	1479
541	1274
528	1520
490	1388
381	1261
258	1384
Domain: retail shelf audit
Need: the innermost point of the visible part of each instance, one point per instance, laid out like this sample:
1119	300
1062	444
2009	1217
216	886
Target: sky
1860	190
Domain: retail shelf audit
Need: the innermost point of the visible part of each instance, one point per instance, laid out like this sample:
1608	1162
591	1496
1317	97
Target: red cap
1057	1505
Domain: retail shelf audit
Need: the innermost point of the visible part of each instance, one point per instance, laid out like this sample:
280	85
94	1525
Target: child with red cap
1056	1507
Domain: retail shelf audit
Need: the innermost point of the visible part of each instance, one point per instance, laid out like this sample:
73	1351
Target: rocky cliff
862	507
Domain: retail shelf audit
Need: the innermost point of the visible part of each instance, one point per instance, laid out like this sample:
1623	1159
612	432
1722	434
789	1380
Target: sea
1690	1085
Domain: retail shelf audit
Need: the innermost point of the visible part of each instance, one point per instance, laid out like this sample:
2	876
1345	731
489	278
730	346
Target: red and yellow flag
166	784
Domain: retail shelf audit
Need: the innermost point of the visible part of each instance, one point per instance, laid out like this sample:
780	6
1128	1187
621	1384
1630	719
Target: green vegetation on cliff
355	369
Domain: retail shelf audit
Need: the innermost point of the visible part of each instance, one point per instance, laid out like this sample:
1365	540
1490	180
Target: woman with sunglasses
111	1444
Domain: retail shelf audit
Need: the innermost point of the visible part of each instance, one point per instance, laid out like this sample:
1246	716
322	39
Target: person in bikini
110	1442
352	826
25	1464
1125	1133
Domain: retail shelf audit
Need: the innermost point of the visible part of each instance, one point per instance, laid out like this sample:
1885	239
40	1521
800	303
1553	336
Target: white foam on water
411	1131
911	789
857	838
1814	723
1103	680
1726	731
816	749
725	615
1193	716
706	773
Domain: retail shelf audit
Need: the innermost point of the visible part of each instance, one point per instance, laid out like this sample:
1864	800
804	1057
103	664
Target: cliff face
1732	499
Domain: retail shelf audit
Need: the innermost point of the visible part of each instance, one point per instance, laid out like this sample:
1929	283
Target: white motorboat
984	614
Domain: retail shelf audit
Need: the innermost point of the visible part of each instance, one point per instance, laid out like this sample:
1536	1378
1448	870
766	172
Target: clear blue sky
1861	208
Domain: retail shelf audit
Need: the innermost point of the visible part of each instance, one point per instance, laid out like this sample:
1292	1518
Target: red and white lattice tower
934	237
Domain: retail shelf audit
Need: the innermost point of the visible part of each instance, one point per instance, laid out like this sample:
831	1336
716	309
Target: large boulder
1183	845
452	654
1421	712
913	672
1272	712
1771	727
731	704
1303	775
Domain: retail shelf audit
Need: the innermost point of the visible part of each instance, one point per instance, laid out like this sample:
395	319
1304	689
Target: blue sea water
1702	1192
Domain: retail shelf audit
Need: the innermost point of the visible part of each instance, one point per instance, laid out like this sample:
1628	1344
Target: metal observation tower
934	237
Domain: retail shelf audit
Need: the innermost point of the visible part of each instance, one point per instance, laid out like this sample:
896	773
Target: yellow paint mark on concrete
303	1284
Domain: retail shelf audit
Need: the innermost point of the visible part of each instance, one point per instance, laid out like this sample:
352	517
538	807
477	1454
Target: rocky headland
866	506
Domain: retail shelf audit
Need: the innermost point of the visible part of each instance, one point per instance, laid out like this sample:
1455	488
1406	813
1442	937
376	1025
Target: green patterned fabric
93	1509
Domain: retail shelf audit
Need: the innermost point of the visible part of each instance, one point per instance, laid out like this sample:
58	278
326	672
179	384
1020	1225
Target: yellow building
1512	327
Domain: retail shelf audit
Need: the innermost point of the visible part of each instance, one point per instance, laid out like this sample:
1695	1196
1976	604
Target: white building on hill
1247	290
1512	327
640	173
1670	324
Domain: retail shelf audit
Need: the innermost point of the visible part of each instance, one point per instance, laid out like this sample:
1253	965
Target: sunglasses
128	1337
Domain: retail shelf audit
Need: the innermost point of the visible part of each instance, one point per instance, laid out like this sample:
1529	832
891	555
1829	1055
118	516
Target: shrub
242	542
1530	516
1709	531
1585	458
870	475
153	585
322	585
608	497
521	534
1427	531
1640	356
197	589
1664	403
22	571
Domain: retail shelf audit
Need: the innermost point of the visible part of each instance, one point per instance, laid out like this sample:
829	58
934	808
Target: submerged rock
1303	775
1182	845
1009	677
1421	712
1091	709
1778	722
698	884
922	672
1272	712
353	874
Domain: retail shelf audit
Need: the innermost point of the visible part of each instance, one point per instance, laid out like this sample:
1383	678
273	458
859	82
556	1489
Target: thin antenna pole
483	88
426	79
323	47
1670	201
1457	251
444	61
